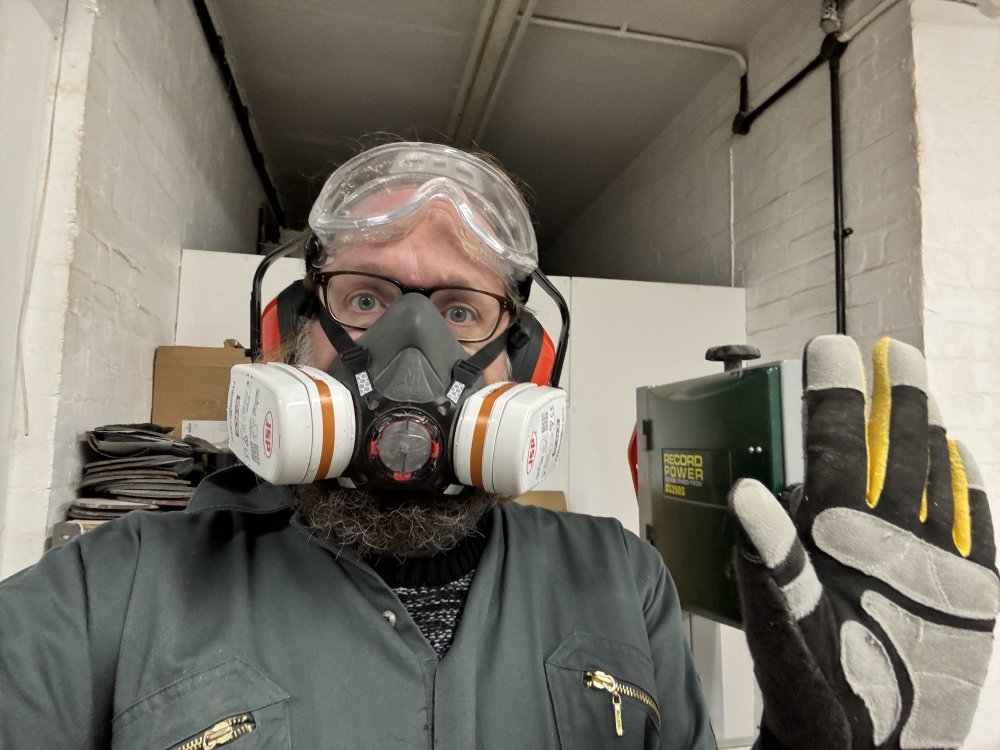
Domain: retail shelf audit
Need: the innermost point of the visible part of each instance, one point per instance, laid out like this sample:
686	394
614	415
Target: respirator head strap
465	372
354	357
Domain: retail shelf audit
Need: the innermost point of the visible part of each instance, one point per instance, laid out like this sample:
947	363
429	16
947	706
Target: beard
385	523
397	524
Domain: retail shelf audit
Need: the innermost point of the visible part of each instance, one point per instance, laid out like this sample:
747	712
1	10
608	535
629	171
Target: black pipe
239	110
744	119
840	233
831	51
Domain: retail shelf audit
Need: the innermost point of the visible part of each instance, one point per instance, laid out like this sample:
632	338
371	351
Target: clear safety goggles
379	195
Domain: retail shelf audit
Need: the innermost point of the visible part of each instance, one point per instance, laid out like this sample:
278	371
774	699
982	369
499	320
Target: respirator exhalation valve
407	445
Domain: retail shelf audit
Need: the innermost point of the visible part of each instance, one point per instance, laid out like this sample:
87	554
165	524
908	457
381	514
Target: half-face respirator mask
405	406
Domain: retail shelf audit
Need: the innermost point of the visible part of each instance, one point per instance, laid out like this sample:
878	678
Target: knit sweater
433	589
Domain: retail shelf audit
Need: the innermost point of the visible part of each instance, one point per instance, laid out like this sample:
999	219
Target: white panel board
214	299
628	334
723	662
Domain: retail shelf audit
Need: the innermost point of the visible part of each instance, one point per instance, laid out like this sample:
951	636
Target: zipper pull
226	730
603	681
220	734
616	701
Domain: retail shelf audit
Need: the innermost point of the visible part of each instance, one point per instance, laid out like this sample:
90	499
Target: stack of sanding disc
132	467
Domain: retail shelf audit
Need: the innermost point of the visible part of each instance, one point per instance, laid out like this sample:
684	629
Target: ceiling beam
496	27
240	111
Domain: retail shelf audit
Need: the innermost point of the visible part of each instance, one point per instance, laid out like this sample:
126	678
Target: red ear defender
546	360
278	319
270	332
531	351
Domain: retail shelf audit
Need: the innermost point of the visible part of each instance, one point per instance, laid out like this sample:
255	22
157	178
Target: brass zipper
220	733
598	680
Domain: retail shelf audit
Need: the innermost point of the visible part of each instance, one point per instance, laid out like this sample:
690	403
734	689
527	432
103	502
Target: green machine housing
695	438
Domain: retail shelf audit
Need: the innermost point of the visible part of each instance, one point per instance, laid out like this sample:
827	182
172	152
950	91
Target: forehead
382	266
382	201
437	251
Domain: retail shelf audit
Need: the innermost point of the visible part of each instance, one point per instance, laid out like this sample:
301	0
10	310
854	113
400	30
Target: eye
365	303
459	315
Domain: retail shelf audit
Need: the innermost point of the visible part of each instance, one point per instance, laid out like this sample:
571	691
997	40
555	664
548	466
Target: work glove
869	611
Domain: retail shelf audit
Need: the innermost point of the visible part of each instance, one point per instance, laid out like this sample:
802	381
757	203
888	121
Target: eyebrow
449	279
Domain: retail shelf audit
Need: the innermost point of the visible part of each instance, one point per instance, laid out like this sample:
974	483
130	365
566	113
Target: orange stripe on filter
327	417
479	433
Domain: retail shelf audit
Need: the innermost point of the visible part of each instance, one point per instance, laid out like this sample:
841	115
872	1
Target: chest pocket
603	694
231	706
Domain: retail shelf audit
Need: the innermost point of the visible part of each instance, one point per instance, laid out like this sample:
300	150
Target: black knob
732	356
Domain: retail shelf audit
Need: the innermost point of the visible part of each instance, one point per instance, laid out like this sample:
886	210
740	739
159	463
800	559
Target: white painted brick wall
31	456
929	276
957	72
161	166
783	189
667	215
29	50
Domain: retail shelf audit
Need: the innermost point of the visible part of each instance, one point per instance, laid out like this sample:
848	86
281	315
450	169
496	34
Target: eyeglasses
356	300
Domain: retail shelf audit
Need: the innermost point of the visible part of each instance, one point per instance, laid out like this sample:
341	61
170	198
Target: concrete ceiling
565	109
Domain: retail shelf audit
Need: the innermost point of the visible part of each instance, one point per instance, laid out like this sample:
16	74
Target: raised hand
870	610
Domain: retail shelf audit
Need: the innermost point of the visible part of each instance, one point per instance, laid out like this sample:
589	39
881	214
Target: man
393	606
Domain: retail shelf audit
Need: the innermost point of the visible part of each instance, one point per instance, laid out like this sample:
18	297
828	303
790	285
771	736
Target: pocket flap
583	651
193	704
585	717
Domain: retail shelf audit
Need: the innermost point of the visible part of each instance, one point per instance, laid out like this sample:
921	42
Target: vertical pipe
839	232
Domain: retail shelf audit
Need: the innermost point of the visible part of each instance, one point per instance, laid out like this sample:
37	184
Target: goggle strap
517	337
524	288
308	306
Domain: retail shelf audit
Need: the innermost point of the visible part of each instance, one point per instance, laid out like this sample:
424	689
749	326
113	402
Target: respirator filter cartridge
508	437
290	425
296	425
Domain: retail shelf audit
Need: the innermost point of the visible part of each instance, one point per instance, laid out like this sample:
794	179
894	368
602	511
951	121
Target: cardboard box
192	382
214	431
553	500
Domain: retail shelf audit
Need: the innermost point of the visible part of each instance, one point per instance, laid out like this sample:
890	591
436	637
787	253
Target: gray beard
399	524
390	523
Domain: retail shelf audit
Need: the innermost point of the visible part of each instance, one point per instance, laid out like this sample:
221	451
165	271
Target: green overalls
231	624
